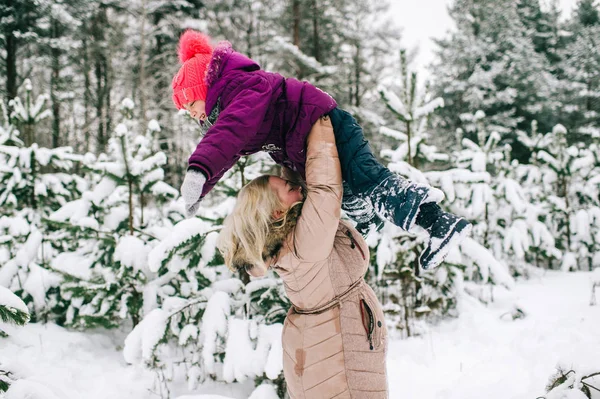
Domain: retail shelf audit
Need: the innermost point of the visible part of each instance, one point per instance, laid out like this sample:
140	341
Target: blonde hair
246	229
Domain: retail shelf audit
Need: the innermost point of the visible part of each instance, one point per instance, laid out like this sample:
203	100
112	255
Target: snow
182	232
73	264
214	325
238	364
457	359
394	102
264	391
31	389
498	273
132	252
69	365
505	359
429	107
10	300
140	343
29	250
153	125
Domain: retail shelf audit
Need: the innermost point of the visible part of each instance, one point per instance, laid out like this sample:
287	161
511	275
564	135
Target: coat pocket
373	327
368	320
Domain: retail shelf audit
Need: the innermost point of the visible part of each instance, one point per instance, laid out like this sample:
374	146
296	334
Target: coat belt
337	300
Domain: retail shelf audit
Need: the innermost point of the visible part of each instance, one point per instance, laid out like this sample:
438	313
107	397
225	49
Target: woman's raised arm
318	223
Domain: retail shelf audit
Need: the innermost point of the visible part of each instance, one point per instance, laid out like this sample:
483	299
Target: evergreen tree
12	309
412	109
35	182
227	327
103	264
572	197
581	78
18	21
490	64
27	174
414	296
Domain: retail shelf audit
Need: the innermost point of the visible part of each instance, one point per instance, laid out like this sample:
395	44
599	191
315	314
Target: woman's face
197	109
287	192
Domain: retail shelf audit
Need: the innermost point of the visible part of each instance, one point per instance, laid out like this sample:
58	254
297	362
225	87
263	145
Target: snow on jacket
258	111
334	336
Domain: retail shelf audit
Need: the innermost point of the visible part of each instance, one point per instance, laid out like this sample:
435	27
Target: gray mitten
191	190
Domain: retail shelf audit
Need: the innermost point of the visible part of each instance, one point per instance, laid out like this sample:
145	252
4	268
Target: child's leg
361	211
400	201
396	199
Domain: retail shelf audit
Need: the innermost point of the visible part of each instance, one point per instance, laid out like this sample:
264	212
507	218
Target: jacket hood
225	59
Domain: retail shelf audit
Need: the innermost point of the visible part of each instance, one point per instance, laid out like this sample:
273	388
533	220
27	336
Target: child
245	110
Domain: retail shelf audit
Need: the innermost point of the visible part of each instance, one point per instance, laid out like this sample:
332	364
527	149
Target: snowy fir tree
34	182
412	110
103	264
490	64
580	88
414	295
13	311
205	322
486	187
572	197
572	382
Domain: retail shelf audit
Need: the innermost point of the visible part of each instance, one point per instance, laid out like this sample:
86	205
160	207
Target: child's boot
398	200
445	231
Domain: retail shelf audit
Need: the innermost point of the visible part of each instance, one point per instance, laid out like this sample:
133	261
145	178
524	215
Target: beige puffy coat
334	336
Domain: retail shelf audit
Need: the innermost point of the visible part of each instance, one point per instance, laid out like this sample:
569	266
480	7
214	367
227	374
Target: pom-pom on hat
194	53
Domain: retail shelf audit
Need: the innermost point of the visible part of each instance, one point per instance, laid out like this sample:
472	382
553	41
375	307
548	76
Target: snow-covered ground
478	355
481	356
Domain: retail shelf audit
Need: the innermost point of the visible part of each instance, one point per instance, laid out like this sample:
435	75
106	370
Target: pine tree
581	76
27	176
18	21
574	213
412	108
12	309
414	296
35	182
490	64
227	327
103	264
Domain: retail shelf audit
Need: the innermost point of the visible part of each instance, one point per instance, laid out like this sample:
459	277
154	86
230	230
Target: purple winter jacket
258	111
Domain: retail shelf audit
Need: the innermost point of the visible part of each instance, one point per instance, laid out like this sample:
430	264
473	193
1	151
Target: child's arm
245	102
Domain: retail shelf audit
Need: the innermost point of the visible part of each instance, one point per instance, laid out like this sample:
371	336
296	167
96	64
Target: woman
334	335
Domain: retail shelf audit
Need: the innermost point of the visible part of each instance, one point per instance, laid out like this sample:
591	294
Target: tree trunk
99	105
296	32
11	65
142	58
100	70
296	18
357	76
316	52
54	88
87	97
107	91
408	141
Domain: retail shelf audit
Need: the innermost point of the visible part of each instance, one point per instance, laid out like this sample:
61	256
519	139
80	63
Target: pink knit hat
195	53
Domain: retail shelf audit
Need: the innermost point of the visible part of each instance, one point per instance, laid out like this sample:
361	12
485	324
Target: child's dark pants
369	187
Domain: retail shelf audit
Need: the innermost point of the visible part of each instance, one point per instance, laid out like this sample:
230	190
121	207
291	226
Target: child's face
197	109
287	192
